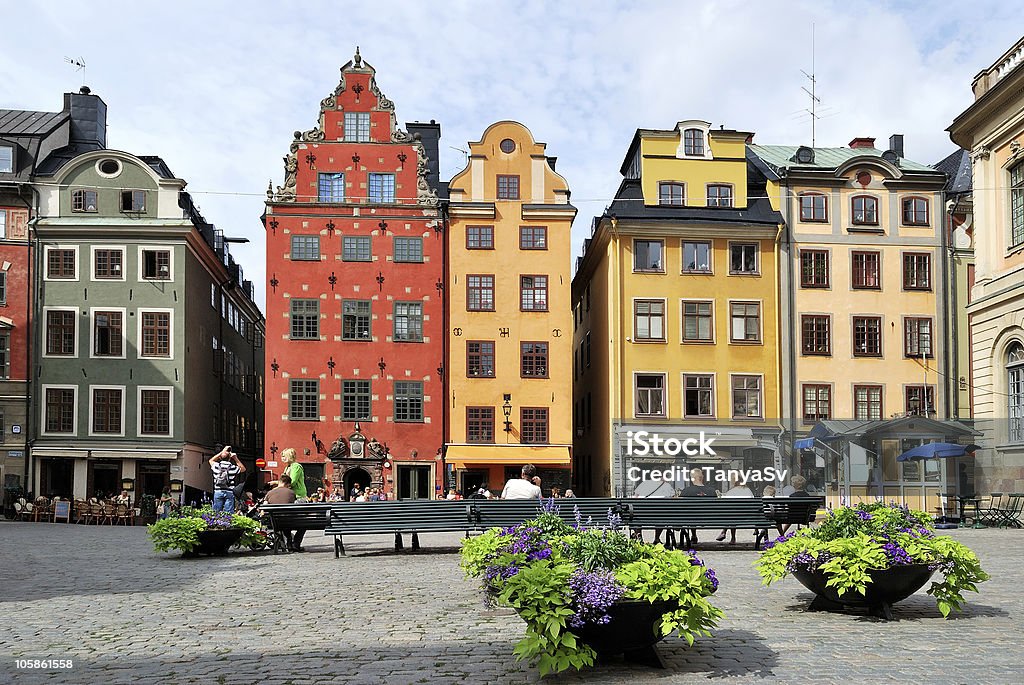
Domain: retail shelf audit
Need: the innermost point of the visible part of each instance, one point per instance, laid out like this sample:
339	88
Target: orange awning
459	456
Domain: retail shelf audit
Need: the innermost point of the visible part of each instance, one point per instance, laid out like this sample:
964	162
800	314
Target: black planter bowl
632	631
216	541
887	587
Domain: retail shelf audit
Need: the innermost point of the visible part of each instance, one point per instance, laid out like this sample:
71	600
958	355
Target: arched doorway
355	477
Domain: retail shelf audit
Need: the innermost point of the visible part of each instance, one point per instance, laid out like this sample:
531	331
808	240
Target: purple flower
592	592
614	520
864	516
896	554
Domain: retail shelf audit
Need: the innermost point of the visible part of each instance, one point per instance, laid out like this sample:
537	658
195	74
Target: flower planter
216	541
887	587
632	631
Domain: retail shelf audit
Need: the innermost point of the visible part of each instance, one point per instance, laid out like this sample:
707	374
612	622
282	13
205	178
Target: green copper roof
781	157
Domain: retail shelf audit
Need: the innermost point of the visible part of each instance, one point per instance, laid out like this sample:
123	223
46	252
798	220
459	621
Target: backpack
222	478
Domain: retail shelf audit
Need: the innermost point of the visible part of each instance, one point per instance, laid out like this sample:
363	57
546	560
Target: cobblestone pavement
123	614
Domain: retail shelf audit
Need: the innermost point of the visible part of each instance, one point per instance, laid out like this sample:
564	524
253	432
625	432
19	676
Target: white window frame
92	333
760	321
124	393
714	323
14	159
757	257
710	271
170	263
42	409
714	394
170	410
92	262
760	398
3	223
664	320
46	262
138	332
46	333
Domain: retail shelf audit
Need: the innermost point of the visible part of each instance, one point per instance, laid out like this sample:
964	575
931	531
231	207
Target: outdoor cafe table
966	502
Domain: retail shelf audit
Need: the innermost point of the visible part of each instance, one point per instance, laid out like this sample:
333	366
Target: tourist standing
226	469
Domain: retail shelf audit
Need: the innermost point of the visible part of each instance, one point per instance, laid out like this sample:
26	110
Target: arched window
915	211
864	210
1017	205
1015	387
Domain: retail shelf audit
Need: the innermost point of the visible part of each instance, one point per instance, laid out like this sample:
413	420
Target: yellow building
864	278
509	256
676	314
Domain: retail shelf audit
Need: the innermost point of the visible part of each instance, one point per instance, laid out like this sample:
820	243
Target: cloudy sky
217	92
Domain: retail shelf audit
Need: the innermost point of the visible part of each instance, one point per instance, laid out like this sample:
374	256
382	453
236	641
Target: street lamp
507	410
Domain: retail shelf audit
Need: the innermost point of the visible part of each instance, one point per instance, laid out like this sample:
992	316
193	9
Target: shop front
475	467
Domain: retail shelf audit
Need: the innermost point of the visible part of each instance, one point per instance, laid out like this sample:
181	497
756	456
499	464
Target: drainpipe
793	315
950	306
35	332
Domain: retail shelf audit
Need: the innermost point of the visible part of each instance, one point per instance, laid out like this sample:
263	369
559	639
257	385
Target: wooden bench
284	518
691	513
398	517
486	514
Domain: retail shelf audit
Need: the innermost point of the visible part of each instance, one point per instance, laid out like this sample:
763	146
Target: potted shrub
588	592
202	531
873	555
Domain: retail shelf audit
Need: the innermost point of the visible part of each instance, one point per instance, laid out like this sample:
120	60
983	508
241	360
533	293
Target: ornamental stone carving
425	195
286	193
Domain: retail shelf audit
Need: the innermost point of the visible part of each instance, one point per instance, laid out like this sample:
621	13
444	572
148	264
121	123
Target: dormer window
719	195
693	142
133	200
6	159
83	201
671	194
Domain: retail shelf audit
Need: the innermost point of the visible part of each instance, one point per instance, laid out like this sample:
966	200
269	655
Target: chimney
430	136
551	162
858	143
896	143
88	119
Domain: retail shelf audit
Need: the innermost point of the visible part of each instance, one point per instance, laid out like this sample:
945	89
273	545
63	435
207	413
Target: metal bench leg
398	541
339	546
761	537
415	540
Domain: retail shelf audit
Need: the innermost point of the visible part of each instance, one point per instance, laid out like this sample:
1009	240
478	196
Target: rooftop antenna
464	152
78	64
815	100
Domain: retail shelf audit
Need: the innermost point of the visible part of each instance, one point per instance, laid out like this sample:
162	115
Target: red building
355	317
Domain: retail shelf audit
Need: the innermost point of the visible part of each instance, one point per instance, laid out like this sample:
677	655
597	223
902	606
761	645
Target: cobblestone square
124	614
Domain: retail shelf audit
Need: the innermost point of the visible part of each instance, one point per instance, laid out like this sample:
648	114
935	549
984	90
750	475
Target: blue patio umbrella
937	450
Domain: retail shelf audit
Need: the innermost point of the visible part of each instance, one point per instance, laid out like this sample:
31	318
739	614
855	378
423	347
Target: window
864	211
355	320
915	211
355	400
698	395
917	337
408	249
650	395
671	194
480	237
693	142
648	255
698	321
60	333
3	224
5	355
917	271
866	273
867	402
533	293
305	248
533	237
745	320
83	201
133	200
156	265
534	423
719	195
357	127
303	399
6	159
156	412
919	399
382	188
508	146
331	188
3	287
746	397
480	359
60	264
649	320
408	400
508	187
355	248
1017	205
408	322
867	336
817	403
156	334
813	269
696	257
479	424
305	319
480	293
1015	388
815	335
743	258
533	358
107	334
813	207
60	410
106	410
107	263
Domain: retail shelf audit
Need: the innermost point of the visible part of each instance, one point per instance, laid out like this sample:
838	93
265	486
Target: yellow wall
507	262
694	172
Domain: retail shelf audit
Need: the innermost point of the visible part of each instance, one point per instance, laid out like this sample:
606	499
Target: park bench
486	514
687	513
398	517
283	518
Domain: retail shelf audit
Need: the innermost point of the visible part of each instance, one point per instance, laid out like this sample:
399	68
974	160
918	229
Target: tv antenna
78	64
465	153
815	100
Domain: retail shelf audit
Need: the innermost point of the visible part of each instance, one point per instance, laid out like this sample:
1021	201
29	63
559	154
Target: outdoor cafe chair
122	514
21	512
81	511
109	513
96	512
993	513
1011	512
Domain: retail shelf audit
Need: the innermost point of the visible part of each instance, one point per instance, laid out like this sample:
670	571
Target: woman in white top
735	490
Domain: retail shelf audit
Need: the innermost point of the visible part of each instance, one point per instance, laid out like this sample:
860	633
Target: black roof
959	175
17	122
158	165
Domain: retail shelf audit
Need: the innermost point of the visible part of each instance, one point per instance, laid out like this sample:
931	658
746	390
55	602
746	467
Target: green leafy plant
853	541
560	578
180	531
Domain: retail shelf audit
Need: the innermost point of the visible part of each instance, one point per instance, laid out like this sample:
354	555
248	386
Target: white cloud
217	91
